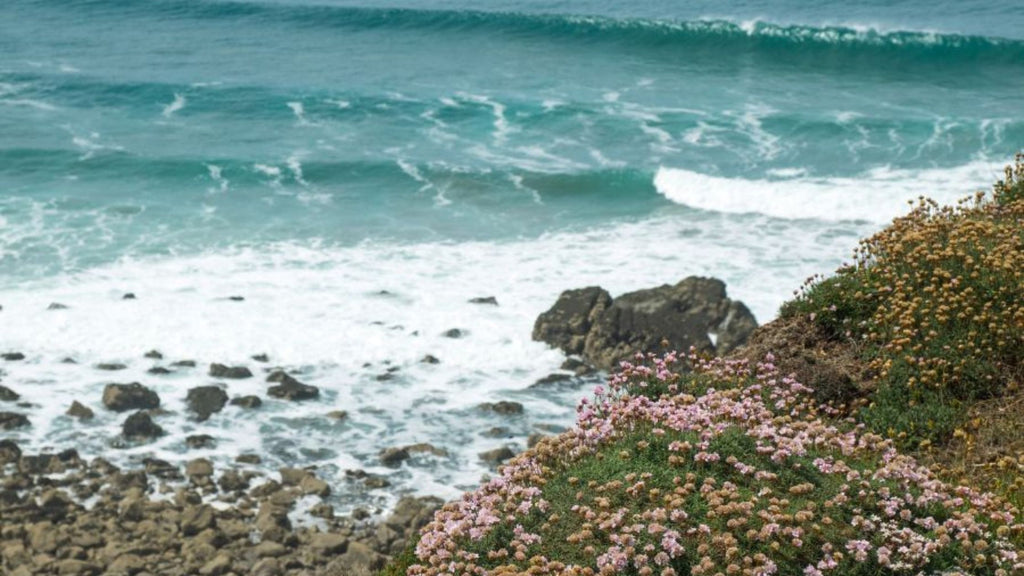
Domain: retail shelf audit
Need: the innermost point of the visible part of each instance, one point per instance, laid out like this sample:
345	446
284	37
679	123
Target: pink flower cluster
755	481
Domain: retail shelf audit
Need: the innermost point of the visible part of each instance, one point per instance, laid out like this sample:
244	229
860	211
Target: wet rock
229	372
233	481
551	380
293	476
128	296
412	513
110	366
248	459
505	408
158	371
394	456
325	511
200	441
290	388
454	333
199	468
68	360
134	396
12	420
578	367
184	364
337	415
429	359
376	482
604	331
9	451
162	469
566	324
497	432
56	306
247	401
261	358
236	298
80	411
153	355
384	377
8	395
206	400
489	300
315	486
425	448
140	426
497	456
12	356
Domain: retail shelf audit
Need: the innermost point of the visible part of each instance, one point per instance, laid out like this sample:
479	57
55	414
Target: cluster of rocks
169	521
589	324
144	403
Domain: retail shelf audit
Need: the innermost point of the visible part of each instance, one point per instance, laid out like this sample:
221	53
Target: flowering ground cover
687	465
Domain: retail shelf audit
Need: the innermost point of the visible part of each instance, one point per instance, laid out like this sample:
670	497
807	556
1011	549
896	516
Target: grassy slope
691	467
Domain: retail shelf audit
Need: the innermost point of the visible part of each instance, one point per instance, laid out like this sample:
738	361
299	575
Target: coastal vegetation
692	465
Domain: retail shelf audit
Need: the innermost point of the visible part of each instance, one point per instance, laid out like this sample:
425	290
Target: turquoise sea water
310	154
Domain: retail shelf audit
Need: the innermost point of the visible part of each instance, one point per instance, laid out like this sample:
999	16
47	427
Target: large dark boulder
694	313
12	420
134	396
568	322
206	400
289	388
140	426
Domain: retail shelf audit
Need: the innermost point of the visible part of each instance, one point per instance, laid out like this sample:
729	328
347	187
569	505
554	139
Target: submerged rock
80	411
153	355
454	333
497	456
8	395
110	366
12	356
430	359
247	401
199	441
141	426
230	372
134	396
489	300
56	306
504	407
12	420
206	400
290	388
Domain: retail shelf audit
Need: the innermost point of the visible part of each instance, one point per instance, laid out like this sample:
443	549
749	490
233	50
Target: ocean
358	171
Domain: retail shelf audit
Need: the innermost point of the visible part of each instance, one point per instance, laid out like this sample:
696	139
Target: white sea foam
216	174
179	102
502	128
321	310
876	196
29	103
299	110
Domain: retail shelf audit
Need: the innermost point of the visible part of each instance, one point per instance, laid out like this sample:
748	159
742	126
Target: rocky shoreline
64	514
